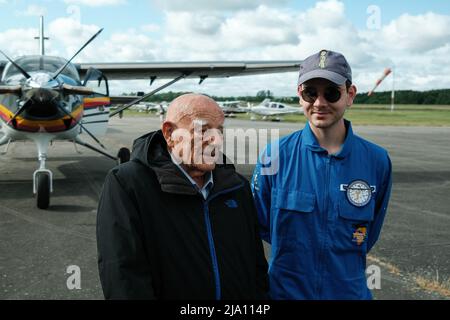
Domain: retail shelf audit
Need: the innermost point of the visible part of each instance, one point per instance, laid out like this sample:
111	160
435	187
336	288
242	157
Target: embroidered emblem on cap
323	59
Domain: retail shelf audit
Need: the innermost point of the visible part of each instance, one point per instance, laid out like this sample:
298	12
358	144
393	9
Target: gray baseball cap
325	64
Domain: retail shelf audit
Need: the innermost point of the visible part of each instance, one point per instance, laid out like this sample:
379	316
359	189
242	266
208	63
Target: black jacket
158	238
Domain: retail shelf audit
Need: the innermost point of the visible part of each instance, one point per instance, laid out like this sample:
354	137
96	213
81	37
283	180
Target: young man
173	224
323	210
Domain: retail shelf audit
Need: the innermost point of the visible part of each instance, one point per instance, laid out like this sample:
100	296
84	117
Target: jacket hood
151	149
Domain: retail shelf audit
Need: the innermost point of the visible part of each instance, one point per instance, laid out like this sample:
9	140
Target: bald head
193	132
190	107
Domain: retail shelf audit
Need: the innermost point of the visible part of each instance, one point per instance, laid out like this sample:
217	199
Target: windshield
38	63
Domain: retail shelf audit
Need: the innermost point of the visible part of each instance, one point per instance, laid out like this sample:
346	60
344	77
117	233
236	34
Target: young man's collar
310	140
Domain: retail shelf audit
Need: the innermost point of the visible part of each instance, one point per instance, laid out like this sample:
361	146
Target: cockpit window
38	63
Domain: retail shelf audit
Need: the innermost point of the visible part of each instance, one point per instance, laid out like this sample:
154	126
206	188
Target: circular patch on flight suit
359	193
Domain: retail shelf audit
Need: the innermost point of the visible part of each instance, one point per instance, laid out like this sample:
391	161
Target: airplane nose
42	103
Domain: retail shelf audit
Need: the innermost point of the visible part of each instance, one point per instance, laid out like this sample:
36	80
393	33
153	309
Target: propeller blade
19	111
25	74
82	126
10	89
57	73
80	90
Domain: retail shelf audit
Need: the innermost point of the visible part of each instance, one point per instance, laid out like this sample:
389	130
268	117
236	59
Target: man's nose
320	101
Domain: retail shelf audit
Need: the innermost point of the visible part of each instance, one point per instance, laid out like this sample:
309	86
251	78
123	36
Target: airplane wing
202	70
122	99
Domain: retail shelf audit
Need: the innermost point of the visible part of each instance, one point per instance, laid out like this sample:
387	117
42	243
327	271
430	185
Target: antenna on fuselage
41	37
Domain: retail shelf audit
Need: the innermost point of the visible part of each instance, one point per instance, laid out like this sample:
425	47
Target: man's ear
299	88
167	130
351	94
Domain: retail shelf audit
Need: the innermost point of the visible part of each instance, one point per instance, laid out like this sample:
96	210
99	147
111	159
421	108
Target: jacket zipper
212	249
324	227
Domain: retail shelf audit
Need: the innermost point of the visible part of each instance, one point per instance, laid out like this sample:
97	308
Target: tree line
431	97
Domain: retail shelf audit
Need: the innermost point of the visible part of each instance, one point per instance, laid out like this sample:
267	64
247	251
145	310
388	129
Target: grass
399	117
380	115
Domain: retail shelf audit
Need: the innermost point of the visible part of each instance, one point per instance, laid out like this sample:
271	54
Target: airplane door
96	106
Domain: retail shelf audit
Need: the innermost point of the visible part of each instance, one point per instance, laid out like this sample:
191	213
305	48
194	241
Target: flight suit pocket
293	223
352	226
295	201
351	212
293	216
351	231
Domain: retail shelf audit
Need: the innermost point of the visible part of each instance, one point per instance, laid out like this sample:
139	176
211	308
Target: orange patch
359	235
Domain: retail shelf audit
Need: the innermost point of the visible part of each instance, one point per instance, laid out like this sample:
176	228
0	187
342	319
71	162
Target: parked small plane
230	108
151	107
45	98
272	110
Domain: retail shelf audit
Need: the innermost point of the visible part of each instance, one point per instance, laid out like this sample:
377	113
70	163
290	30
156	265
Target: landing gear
42	177
123	155
42	190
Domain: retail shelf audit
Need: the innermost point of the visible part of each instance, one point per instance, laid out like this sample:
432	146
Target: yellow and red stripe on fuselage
92	103
54	125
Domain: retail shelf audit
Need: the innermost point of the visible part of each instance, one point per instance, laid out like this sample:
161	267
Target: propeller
25	74
58	72
81	125
11	89
80	90
19	111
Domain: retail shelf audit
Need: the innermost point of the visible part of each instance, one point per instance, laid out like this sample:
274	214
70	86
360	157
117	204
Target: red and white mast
386	72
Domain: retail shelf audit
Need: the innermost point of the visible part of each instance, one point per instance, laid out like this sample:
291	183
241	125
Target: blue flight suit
320	225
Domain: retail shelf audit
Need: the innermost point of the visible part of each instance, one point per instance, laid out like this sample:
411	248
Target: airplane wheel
43	190
123	155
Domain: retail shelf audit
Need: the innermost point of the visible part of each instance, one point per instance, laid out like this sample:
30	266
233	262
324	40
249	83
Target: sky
410	36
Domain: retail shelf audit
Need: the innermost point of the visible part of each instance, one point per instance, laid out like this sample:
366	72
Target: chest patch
358	192
359	235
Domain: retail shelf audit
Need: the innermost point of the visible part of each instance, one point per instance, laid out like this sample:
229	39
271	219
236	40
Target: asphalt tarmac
38	246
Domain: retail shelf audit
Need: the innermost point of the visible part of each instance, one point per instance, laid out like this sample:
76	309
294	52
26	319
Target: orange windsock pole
386	72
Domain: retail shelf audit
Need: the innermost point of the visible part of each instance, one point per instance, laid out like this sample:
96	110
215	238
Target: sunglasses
332	94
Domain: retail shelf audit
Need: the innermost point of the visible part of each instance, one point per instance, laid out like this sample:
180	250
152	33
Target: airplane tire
43	191
123	155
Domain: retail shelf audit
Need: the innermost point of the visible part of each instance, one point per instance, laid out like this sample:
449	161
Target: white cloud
125	46
419	54
201	35
151	28
209	5
33	10
269	33
417	33
18	42
71	33
263	27
96	3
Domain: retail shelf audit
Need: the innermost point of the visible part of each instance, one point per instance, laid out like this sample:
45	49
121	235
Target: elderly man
173	224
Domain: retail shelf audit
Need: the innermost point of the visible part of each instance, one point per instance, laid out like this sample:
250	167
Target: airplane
272	110
150	107
45	98
230	108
